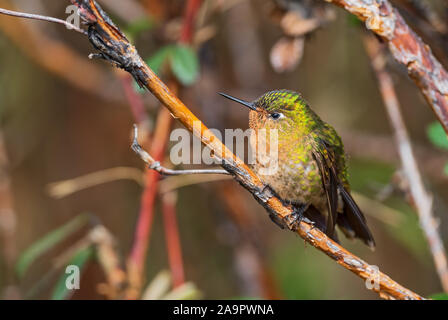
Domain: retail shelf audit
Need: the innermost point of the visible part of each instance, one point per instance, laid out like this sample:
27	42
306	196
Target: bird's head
275	109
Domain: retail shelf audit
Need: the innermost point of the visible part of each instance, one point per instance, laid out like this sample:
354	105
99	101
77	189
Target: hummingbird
311	173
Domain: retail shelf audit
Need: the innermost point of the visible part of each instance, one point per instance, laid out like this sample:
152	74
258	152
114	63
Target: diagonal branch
114	47
407	48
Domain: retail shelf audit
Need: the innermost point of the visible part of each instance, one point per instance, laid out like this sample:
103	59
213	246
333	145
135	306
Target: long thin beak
250	105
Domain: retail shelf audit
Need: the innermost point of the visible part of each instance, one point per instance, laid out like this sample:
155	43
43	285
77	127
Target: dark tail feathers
352	222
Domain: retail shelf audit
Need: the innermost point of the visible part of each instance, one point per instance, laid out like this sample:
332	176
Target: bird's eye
277	116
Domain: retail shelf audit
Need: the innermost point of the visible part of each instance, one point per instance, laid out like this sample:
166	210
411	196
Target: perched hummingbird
312	170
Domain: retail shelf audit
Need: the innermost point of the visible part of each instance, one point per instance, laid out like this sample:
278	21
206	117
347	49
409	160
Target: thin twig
65	188
422	199
42	18
155	165
61	189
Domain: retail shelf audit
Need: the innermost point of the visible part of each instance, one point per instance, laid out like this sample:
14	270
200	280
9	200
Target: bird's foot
293	220
313	225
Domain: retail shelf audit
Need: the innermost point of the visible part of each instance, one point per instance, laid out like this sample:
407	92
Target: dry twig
41	18
61	189
423	200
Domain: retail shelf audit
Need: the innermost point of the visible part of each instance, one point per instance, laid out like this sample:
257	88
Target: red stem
169	208
144	224
135	100
146	216
173	239
191	11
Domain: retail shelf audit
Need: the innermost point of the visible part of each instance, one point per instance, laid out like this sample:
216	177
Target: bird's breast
290	170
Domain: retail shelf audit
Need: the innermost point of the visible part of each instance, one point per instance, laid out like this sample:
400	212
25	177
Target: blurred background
66	118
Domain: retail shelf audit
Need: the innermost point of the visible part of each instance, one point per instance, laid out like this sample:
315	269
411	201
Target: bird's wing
324	158
329	155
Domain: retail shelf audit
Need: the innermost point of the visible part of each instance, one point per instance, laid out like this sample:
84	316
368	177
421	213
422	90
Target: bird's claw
293	220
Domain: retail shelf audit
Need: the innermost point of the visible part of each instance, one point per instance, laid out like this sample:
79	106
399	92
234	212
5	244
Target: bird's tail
352	221
320	222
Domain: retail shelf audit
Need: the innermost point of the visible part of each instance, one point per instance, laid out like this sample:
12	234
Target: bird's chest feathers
288	167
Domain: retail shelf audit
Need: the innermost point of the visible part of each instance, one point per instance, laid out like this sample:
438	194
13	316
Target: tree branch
423	201
407	48
114	47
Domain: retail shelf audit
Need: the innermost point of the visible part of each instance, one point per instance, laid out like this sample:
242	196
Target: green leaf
51	239
445	169
183	61
185	64
137	88
439	296
354	21
437	135
60	291
156	61
139	26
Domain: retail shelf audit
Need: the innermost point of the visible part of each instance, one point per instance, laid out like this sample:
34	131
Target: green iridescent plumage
312	171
